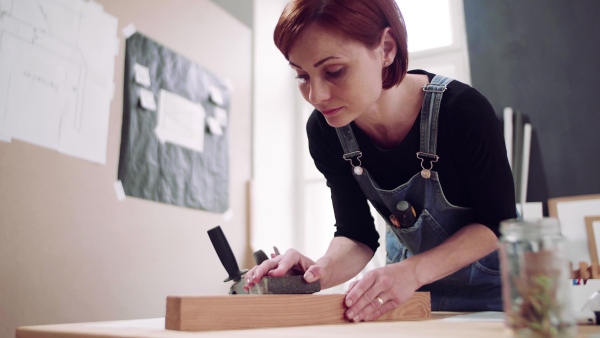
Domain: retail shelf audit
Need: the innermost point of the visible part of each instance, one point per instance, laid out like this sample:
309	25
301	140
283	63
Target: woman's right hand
290	263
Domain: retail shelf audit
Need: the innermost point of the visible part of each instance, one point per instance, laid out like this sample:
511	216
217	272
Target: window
437	40
428	24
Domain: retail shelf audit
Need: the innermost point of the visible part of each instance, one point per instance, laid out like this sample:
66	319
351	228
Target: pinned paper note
129	30
142	75
221	116
119	190
228	215
147	99
214	126
180	121
216	95
228	84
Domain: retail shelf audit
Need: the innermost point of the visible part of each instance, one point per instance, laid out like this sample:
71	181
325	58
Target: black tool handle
407	214
217	237
259	256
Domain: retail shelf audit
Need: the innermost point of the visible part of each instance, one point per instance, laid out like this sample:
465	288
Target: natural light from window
427	23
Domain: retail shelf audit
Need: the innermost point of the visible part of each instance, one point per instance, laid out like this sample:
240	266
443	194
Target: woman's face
338	75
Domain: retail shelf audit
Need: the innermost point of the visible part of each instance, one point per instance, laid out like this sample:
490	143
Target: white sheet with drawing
57	74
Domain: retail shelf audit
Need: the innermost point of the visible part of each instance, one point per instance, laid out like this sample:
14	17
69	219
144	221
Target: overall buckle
426	172
358	170
434	88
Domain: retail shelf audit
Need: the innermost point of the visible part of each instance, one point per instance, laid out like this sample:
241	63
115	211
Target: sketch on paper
56	74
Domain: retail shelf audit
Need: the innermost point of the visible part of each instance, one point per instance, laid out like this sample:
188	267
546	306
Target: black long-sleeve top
473	167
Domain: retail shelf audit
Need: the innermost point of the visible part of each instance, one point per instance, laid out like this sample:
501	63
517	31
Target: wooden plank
232	312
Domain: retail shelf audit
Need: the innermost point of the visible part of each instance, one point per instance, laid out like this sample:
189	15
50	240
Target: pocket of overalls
425	234
395	250
487	270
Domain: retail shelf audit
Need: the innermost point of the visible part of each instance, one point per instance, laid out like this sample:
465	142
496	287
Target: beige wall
69	250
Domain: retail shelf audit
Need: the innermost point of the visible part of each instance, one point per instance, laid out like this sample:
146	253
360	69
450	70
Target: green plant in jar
535	279
537	308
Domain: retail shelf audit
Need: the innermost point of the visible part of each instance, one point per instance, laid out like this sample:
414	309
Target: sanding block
267	285
284	285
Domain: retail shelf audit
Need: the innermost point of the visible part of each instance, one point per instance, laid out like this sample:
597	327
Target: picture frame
571	212
592	226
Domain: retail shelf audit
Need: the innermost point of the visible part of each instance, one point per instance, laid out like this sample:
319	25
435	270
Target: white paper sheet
36	93
221	116
531	209
142	75
129	30
581	294
214	126
180	121
56	75
119	190
485	316
147	99
216	95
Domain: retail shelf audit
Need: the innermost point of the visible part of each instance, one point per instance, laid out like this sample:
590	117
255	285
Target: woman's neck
388	122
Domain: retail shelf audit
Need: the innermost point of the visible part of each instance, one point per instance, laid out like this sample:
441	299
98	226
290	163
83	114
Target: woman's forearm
344	259
463	248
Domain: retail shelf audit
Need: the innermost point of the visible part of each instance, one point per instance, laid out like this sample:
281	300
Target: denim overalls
476	287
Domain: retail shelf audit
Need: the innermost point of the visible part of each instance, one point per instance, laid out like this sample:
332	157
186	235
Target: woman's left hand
381	290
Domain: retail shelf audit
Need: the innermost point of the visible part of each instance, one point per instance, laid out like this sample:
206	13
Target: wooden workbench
445	325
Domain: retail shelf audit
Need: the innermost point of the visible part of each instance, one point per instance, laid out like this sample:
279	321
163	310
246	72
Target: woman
385	135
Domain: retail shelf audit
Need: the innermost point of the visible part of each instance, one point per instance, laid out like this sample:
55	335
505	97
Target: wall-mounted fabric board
174	139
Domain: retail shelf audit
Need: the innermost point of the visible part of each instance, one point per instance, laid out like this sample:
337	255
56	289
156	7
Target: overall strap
350	146
429	121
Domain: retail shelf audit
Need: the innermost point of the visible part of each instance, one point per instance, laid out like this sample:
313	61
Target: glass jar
535	278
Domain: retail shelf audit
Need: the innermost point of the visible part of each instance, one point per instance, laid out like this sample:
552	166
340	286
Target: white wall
275	137
69	251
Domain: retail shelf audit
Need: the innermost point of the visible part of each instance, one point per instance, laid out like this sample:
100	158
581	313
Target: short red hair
363	20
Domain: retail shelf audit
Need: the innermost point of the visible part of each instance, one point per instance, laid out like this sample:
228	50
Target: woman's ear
388	45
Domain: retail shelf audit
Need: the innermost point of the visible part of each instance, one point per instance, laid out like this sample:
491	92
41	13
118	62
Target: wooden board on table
232	312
